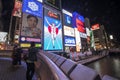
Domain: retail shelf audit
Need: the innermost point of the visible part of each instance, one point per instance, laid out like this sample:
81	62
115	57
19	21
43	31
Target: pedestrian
19	51
16	55
31	61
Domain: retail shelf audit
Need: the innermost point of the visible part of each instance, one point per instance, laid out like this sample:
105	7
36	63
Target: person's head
32	44
32	21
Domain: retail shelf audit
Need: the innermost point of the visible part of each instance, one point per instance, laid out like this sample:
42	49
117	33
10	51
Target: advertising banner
78	40
69	41
33	7
67	20
52	30
78	22
31	29
68	31
3	36
17	8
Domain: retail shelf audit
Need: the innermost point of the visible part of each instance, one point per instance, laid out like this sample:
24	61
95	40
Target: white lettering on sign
33	6
68	31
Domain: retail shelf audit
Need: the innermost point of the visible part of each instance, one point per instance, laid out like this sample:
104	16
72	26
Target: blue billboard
69	41
52	31
67	20
32	7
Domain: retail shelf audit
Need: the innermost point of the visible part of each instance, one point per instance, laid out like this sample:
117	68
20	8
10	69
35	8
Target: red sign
96	26
17	9
80	25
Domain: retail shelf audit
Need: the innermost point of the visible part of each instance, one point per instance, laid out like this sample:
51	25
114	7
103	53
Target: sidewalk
91	59
7	72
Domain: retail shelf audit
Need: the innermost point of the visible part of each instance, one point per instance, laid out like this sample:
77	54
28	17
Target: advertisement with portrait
31	29
33	7
52	30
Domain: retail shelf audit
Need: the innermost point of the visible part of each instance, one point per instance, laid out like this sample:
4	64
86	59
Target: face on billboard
31	28
52	31
33	7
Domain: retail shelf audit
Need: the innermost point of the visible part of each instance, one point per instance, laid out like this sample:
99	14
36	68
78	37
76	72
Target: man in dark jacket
31	61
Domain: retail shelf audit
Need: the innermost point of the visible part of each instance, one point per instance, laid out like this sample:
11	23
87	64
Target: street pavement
8	72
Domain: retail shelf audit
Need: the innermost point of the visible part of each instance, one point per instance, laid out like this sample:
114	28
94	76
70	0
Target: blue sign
69	41
67	20
32	7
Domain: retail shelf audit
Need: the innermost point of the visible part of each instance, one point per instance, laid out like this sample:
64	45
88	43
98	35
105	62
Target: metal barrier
49	70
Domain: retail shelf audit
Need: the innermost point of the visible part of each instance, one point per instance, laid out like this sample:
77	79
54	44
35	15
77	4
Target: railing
55	67
49	71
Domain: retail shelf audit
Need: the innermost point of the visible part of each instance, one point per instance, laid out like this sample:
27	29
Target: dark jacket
32	54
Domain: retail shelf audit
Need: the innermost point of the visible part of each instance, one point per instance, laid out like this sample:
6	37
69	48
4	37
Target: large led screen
33	7
78	22
52	31
31	28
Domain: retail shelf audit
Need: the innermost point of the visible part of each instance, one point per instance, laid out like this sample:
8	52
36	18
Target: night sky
105	12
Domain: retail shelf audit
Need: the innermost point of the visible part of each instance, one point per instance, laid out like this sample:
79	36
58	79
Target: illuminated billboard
68	31
17	8
67	18
33	7
69	41
31	28
3	36
78	40
54	3
78	22
95	27
52	30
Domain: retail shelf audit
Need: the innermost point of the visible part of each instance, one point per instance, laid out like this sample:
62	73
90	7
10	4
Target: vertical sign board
78	24
52	30
54	3
17	8
31	29
69	33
